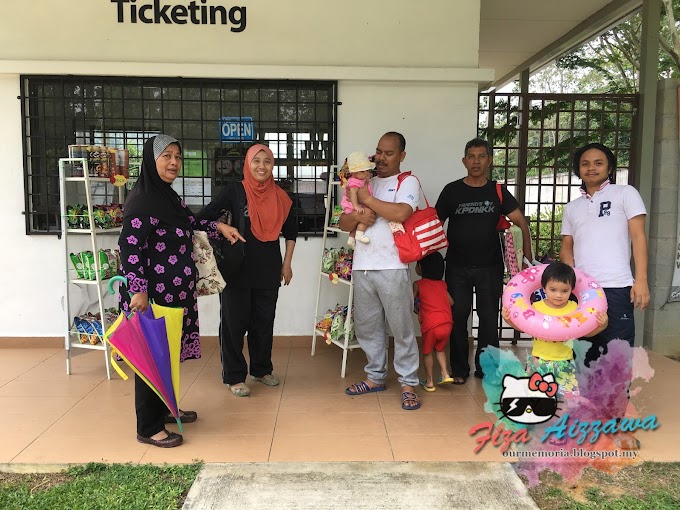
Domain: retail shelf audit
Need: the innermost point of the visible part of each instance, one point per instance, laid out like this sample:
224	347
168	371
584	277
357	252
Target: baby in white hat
359	168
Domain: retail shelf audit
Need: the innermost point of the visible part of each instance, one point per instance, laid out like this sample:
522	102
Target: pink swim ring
579	323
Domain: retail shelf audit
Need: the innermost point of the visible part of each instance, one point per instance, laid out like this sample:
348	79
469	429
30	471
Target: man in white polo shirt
597	231
382	283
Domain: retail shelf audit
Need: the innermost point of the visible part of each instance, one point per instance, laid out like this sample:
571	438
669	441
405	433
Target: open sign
237	129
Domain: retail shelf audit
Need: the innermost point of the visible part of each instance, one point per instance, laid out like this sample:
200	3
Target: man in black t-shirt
474	259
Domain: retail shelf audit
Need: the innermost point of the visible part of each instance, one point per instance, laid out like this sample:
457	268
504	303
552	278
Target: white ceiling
516	33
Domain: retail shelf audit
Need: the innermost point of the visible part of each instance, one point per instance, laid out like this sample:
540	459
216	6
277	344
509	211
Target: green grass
100	487
644	486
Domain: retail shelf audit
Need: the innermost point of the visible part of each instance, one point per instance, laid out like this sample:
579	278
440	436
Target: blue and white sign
237	129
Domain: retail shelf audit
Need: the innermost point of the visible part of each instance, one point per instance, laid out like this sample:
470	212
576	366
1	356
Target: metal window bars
534	137
297	119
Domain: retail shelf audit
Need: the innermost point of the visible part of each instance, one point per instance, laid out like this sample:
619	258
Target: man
474	259
382	283
597	231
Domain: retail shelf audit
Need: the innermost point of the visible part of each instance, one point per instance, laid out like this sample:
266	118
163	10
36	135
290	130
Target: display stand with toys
92	184
335	326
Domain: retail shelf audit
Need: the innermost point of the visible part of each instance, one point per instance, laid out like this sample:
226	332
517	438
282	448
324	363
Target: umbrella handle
117	278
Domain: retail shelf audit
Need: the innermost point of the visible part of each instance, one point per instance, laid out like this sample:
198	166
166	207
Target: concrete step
359	486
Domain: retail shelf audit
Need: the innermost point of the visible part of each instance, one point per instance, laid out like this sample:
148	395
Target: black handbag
229	256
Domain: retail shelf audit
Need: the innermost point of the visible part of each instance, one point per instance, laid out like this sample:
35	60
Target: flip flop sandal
429	389
409	396
459	380
362	388
445	380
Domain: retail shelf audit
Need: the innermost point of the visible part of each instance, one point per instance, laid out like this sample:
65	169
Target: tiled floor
49	417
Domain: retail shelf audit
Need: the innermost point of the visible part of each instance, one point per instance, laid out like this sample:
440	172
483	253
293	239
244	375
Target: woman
156	253
248	303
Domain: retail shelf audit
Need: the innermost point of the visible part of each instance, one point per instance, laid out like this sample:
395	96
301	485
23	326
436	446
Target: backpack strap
401	177
241	202
404	175
503	221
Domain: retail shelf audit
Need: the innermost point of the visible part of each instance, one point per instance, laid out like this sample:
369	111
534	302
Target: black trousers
252	311
621	323
487	283
151	411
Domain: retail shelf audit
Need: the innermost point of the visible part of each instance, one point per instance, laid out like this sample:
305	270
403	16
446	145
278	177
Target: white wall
304	32
32	266
436	119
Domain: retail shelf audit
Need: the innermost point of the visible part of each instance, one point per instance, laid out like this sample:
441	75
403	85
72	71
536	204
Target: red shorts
436	337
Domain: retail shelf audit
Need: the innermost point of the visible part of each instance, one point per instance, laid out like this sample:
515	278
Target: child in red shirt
433	306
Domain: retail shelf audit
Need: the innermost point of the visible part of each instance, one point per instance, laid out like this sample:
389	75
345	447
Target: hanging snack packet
110	316
88	263
116	213
86	329
72	219
337	326
78	265
343	266
104	268
112	261
98	334
82	337
99	216
116	265
108	219
83	215
324	324
335	216
350	329
328	259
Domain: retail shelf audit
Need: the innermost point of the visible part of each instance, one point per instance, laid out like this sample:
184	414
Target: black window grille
534	137
296	119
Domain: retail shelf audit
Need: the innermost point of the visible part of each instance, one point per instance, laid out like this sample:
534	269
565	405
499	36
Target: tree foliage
546	232
555	127
612	60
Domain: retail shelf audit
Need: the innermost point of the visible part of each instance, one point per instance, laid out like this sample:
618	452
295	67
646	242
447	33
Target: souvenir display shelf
77	188
346	341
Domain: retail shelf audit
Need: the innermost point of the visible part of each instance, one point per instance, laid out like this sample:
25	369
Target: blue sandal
362	388
409	396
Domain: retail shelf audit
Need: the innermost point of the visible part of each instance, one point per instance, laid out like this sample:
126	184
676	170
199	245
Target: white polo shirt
599	226
381	252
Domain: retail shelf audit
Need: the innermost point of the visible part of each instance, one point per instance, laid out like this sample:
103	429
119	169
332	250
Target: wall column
649	73
661	326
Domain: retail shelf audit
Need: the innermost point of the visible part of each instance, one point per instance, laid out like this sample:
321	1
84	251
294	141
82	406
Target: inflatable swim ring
579	323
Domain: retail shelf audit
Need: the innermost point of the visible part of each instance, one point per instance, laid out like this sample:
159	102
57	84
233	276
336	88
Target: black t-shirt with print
473	214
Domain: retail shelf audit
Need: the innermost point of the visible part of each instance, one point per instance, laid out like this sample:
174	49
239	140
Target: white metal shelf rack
346	342
70	188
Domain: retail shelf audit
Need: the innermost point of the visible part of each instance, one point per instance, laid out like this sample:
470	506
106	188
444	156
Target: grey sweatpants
379	295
